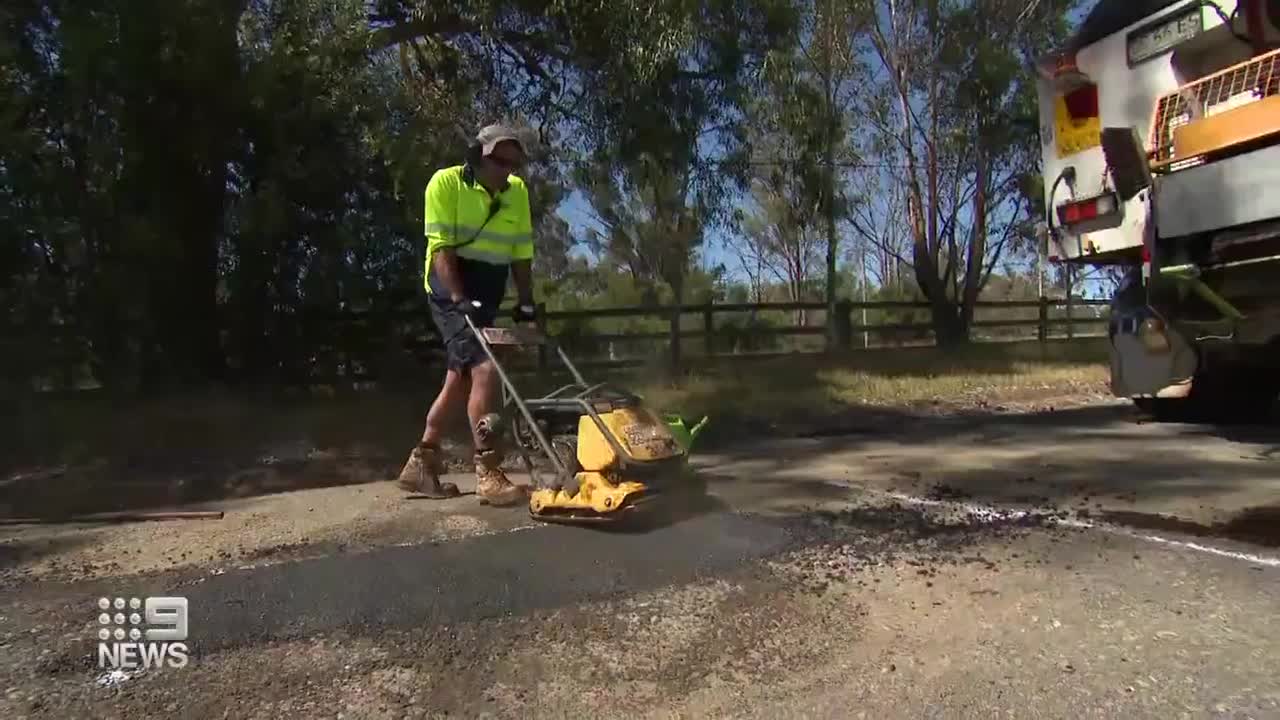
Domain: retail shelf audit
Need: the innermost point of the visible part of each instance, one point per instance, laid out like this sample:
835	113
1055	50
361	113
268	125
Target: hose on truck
1068	173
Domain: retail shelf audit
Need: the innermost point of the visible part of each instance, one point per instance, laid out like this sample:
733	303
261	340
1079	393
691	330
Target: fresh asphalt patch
439	583
474	579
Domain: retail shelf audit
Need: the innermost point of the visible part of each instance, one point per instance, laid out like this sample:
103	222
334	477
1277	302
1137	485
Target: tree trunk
922	257
177	192
977	244
253	308
830	193
947	329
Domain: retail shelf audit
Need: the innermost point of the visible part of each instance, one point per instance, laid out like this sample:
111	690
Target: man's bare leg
480	401
421	472
447	403
492	485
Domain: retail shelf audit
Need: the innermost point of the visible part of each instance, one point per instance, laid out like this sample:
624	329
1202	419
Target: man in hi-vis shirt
479	231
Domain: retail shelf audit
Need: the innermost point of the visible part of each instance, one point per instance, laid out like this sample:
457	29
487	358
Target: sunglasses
504	162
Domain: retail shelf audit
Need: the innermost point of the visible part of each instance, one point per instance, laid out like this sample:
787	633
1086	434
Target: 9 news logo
150	639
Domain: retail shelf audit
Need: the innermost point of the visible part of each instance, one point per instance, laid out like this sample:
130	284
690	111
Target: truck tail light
1088	209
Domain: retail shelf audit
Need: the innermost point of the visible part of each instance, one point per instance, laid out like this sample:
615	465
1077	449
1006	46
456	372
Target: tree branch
404	31
999	249
874	240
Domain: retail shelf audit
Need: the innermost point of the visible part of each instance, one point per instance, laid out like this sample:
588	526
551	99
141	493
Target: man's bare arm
446	262
522	270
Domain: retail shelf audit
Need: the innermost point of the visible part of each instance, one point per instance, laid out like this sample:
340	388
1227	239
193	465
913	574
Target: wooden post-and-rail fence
840	334
327	345
355	343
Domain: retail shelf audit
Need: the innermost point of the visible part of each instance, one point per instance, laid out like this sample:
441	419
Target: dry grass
807	388
744	394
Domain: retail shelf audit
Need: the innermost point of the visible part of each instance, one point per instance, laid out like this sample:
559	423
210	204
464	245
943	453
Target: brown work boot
421	474
492	485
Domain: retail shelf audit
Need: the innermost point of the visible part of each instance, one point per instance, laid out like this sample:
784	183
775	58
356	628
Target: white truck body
1126	96
1200	308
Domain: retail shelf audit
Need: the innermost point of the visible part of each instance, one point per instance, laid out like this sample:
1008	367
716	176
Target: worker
479	231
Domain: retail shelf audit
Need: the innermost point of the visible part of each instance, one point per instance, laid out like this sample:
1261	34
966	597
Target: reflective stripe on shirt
466	232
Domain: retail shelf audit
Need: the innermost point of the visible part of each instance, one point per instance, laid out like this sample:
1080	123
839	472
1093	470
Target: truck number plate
1155	39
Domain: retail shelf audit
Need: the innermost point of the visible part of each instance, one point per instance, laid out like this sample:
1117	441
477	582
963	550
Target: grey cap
490	136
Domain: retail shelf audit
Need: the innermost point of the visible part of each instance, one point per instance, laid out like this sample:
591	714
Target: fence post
709	328
675	340
1071	329
842	324
541	322
1042	329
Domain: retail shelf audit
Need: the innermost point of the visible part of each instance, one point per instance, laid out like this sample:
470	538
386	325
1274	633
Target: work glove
467	306
524	313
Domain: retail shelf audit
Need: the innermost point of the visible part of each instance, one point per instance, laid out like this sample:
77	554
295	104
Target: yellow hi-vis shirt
456	210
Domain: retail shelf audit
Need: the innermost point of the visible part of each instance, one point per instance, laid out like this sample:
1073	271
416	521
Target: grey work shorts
462	350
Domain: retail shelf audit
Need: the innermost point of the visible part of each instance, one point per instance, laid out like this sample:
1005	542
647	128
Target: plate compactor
611	457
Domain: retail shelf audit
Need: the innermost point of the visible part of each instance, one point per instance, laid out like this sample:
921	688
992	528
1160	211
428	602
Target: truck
1160	150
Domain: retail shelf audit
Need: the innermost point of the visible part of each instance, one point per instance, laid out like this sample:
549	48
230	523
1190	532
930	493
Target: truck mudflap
1138	371
1148	358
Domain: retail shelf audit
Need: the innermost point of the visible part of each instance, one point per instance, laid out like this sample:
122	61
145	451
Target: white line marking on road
1247	557
989	514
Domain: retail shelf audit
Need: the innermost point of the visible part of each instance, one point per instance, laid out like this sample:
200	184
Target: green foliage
191	189
195	184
